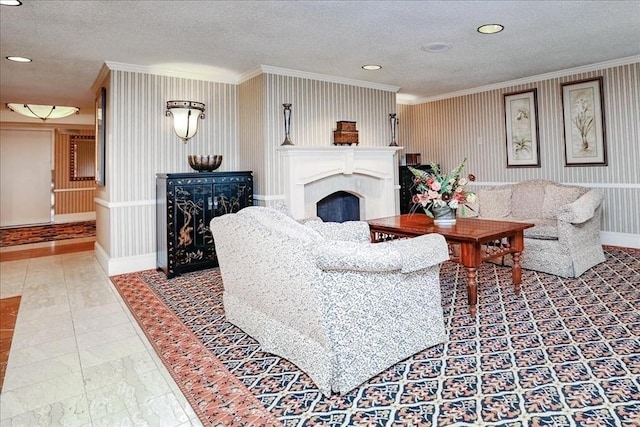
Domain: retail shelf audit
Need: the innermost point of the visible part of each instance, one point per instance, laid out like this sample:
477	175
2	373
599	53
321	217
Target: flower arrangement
435	190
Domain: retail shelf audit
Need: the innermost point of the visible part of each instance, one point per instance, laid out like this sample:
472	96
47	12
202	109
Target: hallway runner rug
565	352
46	233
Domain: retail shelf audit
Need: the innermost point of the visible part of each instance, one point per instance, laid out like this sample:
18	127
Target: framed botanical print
521	119
101	136
584	130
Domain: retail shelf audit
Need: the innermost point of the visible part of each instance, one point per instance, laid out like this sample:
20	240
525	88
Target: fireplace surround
309	174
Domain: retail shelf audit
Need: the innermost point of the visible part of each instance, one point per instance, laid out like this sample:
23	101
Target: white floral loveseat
566	238
323	297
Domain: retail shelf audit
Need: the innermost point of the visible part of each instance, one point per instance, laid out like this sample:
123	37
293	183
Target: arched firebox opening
340	206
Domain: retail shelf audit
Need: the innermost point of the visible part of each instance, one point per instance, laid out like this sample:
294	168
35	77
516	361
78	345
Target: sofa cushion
495	203
544	229
527	200
555	197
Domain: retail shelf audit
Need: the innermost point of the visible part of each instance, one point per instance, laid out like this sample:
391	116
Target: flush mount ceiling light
43	112
10	3
185	117
490	28
18	58
436	47
371	67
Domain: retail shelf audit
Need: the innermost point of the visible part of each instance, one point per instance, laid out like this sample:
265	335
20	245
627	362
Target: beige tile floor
78	358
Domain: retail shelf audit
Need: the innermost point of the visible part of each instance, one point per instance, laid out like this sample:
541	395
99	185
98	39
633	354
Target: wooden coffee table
479	240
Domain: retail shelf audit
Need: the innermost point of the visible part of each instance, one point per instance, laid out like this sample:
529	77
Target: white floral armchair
326	299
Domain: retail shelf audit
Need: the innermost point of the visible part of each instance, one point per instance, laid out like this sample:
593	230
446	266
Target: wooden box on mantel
345	133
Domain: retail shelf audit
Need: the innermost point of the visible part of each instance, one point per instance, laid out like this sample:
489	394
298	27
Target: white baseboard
626	240
115	266
75	217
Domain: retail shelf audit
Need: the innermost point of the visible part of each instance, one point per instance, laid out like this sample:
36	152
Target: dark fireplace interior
339	207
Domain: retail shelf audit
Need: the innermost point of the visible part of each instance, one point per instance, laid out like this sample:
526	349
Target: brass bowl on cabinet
205	163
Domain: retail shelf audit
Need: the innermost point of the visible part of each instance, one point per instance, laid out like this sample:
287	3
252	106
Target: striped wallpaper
244	123
141	143
70	197
473	126
316	107
252	136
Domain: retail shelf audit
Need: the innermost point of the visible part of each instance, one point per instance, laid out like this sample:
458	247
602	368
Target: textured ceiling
70	40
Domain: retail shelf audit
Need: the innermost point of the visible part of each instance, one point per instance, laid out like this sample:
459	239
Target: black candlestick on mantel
394	123
287	124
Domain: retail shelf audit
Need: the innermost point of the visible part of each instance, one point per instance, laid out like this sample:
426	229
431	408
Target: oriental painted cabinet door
185	204
407	187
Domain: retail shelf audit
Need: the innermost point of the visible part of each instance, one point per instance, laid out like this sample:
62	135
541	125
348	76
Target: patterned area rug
46	233
565	352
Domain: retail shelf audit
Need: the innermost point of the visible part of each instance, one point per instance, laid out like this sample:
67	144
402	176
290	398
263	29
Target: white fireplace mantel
310	173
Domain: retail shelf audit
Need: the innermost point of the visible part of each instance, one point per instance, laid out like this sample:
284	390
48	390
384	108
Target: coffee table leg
516	272
517	243
472	290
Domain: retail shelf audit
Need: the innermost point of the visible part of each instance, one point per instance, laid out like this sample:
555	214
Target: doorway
25	177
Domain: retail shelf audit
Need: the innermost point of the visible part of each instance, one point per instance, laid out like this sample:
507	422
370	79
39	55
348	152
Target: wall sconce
43	112
185	117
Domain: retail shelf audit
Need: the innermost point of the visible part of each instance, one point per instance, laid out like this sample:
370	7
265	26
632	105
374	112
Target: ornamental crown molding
236	79
409	100
267	69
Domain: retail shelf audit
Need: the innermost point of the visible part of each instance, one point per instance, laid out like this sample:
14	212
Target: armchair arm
582	209
420	252
355	256
351	231
407	255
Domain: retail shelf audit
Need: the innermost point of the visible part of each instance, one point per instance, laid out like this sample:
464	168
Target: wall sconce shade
185	117
43	112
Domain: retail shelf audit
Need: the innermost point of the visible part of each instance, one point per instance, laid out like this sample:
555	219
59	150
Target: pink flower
421	198
436	189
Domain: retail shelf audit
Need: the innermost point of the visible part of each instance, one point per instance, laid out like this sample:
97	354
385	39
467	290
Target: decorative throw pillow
527	199
555	197
544	229
495	203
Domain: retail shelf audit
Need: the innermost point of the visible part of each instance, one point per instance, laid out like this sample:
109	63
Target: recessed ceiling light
436	47
18	59
371	67
490	28
10	3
